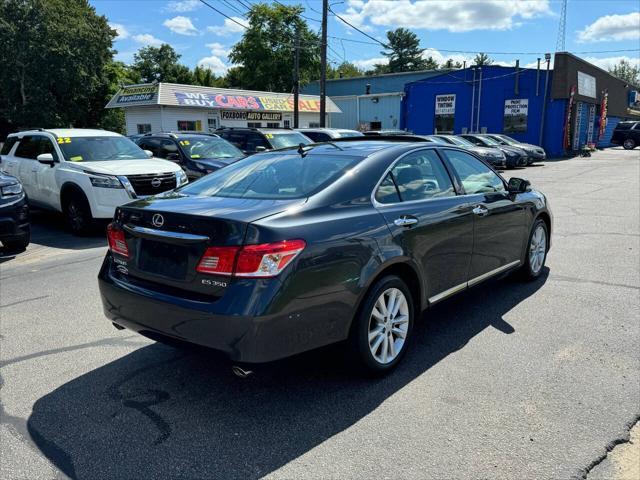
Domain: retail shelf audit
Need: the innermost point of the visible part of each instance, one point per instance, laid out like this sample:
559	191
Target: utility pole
547	58
323	64
296	81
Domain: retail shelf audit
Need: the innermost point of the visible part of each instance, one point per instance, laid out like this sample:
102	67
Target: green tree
117	74
627	72
264	56
161	64
344	70
482	59
53	55
450	64
404	52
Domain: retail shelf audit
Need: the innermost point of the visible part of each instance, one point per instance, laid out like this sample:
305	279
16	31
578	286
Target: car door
45	175
429	220
8	162
499	218
26	154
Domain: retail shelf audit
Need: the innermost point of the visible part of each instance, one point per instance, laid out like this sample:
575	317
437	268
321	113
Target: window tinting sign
445	104
586	85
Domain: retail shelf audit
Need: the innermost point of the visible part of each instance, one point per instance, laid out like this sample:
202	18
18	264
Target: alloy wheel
537	248
628	144
75	215
388	325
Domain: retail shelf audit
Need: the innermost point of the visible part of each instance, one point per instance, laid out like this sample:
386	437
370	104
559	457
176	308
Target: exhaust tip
241	372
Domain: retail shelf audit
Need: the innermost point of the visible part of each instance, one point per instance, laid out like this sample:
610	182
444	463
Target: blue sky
517	28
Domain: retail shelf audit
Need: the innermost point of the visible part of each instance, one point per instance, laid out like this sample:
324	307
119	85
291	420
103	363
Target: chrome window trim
473	281
386	172
151	232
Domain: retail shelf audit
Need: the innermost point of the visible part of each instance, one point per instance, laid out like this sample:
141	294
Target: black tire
78	214
18	245
528	271
629	144
359	337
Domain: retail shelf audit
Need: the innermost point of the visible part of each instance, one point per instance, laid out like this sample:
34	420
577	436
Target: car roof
362	148
70	132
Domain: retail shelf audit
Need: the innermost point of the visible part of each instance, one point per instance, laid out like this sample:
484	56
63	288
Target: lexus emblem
157	220
156	182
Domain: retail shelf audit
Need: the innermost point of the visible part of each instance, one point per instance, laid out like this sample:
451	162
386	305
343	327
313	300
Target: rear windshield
287	139
273	176
96	149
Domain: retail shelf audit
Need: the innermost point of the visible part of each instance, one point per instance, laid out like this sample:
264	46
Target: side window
256	140
46	146
318	136
168	147
418	176
8	145
151	144
238	139
475	176
636	126
28	147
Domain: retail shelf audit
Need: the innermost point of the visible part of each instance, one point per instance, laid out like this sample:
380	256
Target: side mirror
518	185
260	148
173	157
149	153
46	159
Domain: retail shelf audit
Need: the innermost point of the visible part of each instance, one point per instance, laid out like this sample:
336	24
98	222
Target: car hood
126	167
508	148
483	150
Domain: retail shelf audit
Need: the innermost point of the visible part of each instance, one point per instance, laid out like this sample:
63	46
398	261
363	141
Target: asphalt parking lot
509	380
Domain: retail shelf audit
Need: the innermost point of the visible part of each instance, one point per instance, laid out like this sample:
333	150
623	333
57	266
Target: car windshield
463	142
287	139
273	176
209	147
508	140
488	141
97	149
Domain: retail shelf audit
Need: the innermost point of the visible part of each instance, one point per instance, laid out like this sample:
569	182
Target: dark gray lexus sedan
287	251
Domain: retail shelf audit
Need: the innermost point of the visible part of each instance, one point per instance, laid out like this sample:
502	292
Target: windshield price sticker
62	140
184	143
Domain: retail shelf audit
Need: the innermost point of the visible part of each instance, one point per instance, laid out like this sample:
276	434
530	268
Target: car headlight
11	190
105	181
181	178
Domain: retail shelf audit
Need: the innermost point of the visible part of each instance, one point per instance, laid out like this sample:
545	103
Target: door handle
481	210
405	221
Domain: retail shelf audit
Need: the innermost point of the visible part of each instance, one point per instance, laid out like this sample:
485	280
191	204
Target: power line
234	8
223	14
358	30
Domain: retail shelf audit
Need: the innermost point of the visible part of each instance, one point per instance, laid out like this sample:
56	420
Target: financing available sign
137	94
446	104
244	102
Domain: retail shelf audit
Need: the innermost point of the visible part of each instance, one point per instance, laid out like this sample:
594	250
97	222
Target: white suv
85	174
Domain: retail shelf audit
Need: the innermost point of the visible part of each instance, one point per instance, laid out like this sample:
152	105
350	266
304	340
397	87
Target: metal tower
562	28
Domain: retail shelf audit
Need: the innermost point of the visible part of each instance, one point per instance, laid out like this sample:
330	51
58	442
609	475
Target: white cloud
454	16
183	6
121	31
369	63
181	25
229	27
215	64
609	62
612	28
147	39
218	49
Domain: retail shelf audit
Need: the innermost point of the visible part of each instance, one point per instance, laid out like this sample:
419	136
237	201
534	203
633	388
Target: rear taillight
265	260
117	242
218	260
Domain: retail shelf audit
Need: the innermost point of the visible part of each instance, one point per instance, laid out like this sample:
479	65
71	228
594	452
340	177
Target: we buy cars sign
244	102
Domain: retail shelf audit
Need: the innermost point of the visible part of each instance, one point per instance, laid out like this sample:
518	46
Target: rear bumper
242	324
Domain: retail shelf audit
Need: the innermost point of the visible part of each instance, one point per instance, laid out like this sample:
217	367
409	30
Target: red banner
566	141
603	114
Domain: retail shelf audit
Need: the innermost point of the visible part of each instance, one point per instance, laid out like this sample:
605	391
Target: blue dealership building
565	109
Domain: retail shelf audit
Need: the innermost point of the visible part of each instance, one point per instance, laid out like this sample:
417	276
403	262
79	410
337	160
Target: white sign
586	85
445	104
516	106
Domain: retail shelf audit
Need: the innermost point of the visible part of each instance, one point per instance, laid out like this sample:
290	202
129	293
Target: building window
212	123
287	123
190	125
254	124
314	124
144	127
375	126
273	125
